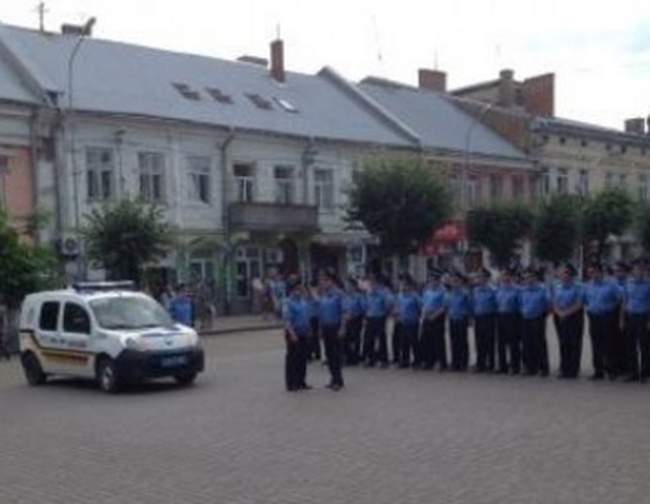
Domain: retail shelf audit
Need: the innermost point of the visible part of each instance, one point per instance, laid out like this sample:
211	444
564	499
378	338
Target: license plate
178	360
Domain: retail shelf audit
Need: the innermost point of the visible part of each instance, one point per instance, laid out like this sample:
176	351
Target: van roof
84	294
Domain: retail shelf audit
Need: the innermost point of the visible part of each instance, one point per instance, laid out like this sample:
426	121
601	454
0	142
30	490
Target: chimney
635	125
432	80
277	60
72	29
506	88
539	95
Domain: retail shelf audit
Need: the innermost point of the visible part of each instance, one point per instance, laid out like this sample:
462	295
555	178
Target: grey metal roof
114	77
437	121
11	87
572	127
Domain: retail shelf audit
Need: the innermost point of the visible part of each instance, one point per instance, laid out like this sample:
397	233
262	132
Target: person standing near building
332	325
508	333
277	290
407	314
637	311
354	308
534	308
568	308
295	313
602	298
434	309
459	305
377	308
181	307
314	344
484	311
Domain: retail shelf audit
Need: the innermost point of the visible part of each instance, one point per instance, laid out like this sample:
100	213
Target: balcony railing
273	217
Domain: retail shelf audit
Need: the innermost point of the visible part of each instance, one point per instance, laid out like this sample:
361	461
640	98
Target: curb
234	330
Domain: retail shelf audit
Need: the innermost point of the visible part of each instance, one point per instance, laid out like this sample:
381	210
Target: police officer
434	309
407	314
313	346
484	310
621	271
637	311
377	308
354	308
459	306
331	319
508	334
296	324
568	308
534	307
602	298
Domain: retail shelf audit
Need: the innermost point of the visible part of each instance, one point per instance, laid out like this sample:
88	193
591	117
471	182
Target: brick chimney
432	80
635	125
506	88
277	60
539	95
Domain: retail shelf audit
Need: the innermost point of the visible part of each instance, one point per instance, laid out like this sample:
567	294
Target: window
518	188
198	168
284	185
324	189
99	173
546	182
186	91
583	183
75	319
496	187
245	181
152	176
217	95
454	187
562	181
609	180
202	270
4	165
562	140
622	182
643	187
261	103
623	149
49	320
472	192
584	143
286	105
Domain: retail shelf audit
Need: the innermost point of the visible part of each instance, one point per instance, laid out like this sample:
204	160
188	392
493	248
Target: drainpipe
225	216
33	124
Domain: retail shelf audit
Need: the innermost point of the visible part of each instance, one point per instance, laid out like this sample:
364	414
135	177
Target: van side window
49	316
75	319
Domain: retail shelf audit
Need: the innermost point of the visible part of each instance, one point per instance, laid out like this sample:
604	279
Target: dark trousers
396	342
620	345
314	340
638	343
508	342
295	363
353	340
410	348
569	332
433	346
375	347
333	351
484	327
535	350
602	330
459	344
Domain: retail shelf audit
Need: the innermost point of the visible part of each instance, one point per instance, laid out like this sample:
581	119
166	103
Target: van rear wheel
107	376
33	370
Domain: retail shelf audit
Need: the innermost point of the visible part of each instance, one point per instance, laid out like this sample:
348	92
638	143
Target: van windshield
130	312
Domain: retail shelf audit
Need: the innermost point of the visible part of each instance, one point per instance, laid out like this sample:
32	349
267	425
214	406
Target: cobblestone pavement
393	436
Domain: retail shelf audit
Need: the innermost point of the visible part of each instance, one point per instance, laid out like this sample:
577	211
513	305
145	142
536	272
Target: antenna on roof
42	10
380	56
278	31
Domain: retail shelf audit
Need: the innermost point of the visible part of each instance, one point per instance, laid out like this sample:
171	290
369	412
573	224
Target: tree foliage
610	212
124	236
557	229
400	200
500	229
642	226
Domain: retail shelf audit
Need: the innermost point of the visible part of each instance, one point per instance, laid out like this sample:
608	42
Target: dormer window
186	91
259	102
217	95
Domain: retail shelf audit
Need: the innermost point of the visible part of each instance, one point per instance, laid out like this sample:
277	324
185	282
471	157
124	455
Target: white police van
105	331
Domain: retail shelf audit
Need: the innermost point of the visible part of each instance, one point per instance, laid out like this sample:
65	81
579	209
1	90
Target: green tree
556	231
500	229
642	226
125	236
400	200
609	213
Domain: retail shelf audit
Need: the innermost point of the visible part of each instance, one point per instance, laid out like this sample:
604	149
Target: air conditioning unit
69	246
273	256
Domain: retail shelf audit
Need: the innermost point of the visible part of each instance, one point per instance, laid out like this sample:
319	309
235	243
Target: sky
599	50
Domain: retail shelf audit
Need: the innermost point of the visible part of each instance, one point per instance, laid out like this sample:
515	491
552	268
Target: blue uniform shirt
507	299
354	304
180	309
377	303
533	301
408	307
330	308
433	300
296	314
601	297
567	295
459	304
637	297
485	301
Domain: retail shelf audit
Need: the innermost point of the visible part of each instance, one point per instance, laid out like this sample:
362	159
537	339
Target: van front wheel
107	376
33	370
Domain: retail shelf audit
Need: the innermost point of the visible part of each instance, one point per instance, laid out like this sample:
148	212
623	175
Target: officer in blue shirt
296	324
459	309
181	307
332	323
314	345
534	307
621	352
508	334
378	304
637	312
434	309
354	308
568	309
484	310
407	313
602	298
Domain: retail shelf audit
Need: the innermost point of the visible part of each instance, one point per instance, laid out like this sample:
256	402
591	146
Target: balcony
273	217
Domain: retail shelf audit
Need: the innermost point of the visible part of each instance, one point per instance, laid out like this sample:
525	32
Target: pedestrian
313	343
378	304
621	272
484	311
459	305
534	308
568	307
277	290
354	308
407	313
181	307
296	331
434	311
602	298
508	333
637	311
332	324
396	337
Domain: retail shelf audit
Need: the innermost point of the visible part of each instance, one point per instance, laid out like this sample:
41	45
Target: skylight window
218	95
186	91
260	102
287	105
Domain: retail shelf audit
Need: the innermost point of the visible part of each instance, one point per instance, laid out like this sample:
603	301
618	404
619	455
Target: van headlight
133	344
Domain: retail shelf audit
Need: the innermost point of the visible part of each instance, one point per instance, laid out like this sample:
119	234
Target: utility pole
42	10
